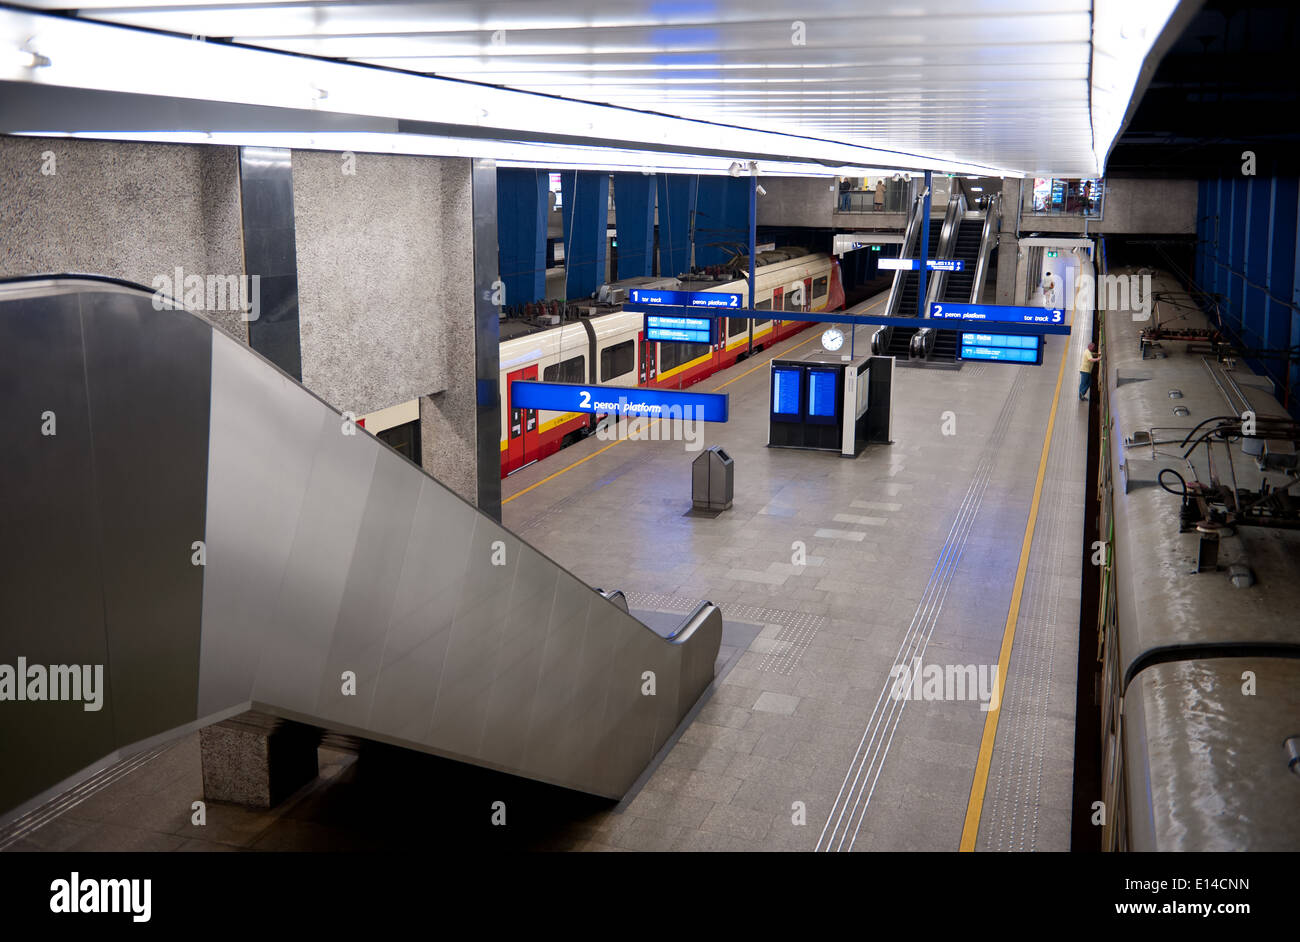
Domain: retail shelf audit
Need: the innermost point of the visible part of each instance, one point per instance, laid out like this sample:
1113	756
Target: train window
819	286
617	359
572	370
677	353
736	326
764	305
403	438
759	323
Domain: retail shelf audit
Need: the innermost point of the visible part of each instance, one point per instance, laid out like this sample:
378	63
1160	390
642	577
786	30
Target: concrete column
257	760
487	333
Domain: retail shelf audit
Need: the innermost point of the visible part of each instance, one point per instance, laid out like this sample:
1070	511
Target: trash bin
713	480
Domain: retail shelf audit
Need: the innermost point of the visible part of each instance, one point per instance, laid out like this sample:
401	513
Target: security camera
760	191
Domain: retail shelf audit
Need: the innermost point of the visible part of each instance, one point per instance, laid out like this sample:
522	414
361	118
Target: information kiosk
825	402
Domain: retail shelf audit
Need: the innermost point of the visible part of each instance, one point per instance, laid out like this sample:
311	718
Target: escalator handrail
992	217
911	237
938	280
692	622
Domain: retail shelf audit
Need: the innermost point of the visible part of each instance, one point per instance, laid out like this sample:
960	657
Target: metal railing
992	223
864	201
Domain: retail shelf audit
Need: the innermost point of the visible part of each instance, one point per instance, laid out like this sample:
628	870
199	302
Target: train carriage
610	349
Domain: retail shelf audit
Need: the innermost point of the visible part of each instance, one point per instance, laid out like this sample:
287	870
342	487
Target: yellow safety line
552	477
974	807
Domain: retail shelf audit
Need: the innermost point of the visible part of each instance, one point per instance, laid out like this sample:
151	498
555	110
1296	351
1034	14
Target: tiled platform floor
910	548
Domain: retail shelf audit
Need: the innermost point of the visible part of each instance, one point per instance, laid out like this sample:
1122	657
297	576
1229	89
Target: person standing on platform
1049	291
880	196
1086	365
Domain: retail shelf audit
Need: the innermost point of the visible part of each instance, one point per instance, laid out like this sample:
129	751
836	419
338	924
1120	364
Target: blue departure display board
785	391
620	400
953	310
684	298
914	264
662	327
821	393
1003	348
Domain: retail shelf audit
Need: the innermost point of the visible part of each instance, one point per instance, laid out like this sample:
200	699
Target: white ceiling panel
1029	85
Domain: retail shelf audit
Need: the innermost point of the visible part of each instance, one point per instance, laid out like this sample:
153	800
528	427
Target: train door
778	304
648	370
807	294
521	447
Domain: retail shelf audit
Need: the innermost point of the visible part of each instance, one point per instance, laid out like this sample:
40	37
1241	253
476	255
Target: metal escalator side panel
946	245
79	515
517	666
911	238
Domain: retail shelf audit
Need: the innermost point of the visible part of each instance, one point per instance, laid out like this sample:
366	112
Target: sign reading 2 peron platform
619	400
953	310
667	329
684	298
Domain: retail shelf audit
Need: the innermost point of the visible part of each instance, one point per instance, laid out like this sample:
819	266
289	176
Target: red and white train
610	349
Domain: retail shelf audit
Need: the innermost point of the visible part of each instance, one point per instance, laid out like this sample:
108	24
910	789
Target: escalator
896	341
911	280
966	247
957	286
215	539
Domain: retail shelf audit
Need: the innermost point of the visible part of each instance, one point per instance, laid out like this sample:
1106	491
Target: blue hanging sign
619	400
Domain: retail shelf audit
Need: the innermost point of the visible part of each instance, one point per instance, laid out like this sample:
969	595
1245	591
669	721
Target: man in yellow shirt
1090	357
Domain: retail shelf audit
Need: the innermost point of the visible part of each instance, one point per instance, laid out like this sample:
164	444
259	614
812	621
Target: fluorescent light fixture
1123	32
95	56
505	153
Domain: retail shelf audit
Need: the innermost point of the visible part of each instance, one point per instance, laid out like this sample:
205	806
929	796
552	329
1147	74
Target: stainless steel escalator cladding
327	555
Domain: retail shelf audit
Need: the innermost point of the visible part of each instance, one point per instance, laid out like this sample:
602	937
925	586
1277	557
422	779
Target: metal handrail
945	249
992	223
909	242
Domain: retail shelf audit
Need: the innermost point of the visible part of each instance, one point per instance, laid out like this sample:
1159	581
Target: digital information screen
1003	348
821	393
914	264
662	327
785	391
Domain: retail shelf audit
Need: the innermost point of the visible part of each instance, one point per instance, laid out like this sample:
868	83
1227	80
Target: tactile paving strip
1011	819
840	832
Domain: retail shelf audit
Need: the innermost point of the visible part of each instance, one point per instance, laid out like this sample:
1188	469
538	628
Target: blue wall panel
634	211
1248	231
585	211
677	198
521	233
722	219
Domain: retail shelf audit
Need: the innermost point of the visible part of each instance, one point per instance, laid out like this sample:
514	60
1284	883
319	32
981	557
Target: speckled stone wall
132	211
385	269
447	437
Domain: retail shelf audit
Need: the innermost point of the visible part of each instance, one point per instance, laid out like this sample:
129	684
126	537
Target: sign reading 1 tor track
724	299
619	400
